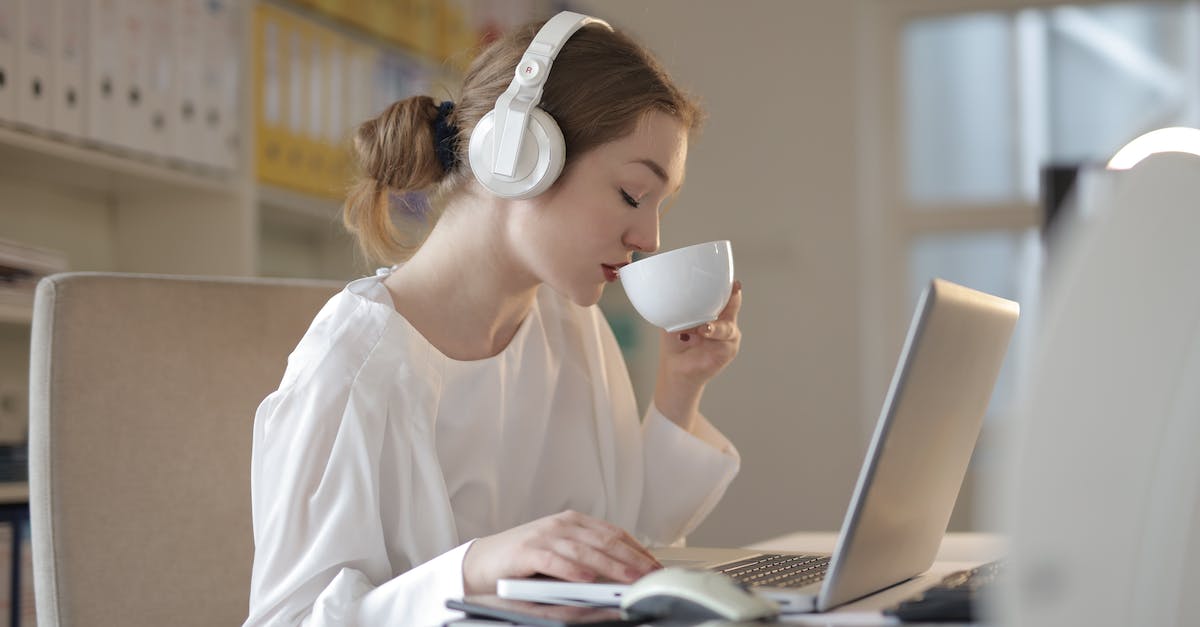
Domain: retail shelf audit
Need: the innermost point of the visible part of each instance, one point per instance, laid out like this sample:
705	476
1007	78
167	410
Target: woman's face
605	207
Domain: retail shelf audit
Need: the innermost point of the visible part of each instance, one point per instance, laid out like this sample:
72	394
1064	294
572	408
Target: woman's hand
688	360
569	545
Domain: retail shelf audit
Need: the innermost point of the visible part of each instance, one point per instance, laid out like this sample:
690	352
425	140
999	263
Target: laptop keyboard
778	571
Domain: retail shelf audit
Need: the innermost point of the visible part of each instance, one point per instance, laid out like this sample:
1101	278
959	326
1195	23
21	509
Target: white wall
773	171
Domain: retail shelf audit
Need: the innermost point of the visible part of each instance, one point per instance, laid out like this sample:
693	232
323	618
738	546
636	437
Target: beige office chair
143	391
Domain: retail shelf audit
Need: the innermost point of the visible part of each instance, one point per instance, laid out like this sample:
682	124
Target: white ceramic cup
682	288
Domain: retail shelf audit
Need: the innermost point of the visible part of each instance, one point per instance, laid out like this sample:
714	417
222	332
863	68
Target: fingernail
708	329
683	337
633	574
737	286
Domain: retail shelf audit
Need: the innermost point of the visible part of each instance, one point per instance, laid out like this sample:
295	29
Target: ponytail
397	155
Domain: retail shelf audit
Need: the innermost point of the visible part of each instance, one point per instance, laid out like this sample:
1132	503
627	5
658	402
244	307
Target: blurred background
853	150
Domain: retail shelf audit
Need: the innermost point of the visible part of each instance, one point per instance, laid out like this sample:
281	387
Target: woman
465	415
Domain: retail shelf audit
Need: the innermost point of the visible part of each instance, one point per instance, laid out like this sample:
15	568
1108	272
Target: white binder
104	86
133	72
70	80
229	95
186	107
35	62
10	28
220	84
159	119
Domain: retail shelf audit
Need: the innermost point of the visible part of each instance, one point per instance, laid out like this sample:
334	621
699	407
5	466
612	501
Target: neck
464	290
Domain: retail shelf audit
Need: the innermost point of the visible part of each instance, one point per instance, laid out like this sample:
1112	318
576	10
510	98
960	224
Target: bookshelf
14	492
16	313
49	160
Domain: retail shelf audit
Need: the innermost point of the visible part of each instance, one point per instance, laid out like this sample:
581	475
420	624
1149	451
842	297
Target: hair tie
445	136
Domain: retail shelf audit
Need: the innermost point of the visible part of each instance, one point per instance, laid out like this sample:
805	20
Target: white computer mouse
694	594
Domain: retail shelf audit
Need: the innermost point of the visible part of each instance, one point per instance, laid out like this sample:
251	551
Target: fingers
729	314
718	330
552	563
617	544
587	558
590	546
568	545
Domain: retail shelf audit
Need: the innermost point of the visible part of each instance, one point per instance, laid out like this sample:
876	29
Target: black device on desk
954	599
540	614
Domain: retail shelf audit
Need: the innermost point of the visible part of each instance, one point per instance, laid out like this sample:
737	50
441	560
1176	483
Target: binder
364	59
334	128
105	89
316	101
27	603
270	87
133	73
385	85
35	62
220	91
360	97
69	103
158	124
185	107
415	77
297	58
228	95
10	28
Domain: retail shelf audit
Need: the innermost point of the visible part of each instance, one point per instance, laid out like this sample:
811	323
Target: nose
642	236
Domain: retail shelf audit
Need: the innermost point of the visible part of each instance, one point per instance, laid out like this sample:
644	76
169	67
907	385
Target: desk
958	551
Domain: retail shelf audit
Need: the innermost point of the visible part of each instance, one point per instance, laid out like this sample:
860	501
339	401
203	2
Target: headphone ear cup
543	153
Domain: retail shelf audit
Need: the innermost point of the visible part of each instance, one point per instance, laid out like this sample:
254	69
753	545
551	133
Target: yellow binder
296	57
340	124
270	86
333	92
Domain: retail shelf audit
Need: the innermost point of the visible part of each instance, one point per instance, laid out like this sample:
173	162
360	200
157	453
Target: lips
612	270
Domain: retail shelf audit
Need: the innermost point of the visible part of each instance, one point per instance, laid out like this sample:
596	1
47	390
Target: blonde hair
602	84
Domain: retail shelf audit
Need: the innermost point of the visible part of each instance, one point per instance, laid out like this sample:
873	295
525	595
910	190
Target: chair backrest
142	397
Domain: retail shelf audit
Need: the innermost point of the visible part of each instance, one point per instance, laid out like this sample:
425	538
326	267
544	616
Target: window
981	101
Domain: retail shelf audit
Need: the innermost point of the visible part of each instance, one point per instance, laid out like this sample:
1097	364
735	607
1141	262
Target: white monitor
1102	496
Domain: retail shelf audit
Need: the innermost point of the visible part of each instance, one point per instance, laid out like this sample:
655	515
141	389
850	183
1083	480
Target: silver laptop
908	483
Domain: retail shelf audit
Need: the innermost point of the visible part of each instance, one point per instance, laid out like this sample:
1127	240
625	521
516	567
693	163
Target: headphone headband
525	91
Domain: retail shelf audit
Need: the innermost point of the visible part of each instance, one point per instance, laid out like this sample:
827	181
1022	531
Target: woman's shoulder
348	329
353	361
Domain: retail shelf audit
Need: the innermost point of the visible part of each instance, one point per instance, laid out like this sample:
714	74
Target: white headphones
517	149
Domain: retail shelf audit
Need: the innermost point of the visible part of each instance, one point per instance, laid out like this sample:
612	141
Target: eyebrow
656	169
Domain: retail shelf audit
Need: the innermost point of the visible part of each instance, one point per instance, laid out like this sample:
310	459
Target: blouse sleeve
320	554
684	474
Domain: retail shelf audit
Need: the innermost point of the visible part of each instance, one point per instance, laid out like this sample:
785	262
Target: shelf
74	164
12	493
282	205
16	314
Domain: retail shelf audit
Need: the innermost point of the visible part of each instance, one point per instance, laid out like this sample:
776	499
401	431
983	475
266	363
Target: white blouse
379	459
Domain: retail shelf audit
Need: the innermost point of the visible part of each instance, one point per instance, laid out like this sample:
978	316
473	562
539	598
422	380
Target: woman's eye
629	200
